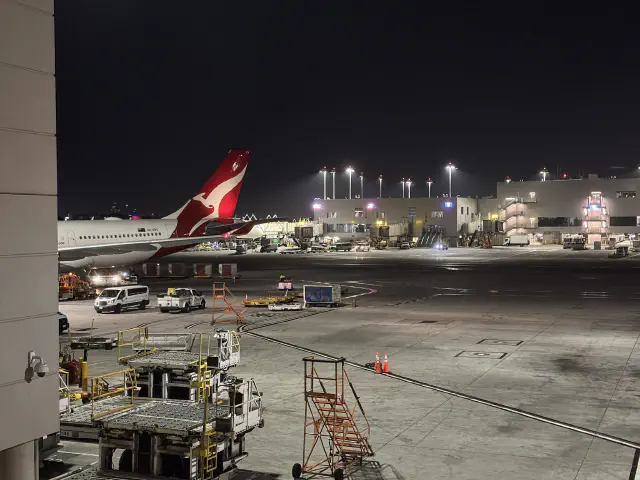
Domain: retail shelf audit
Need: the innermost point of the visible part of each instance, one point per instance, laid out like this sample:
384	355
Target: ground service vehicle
405	245
72	287
578	243
63	322
116	299
322	295
112	278
341	246
514	240
181	299
268	248
362	247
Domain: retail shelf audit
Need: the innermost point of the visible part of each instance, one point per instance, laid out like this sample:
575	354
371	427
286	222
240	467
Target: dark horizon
152	96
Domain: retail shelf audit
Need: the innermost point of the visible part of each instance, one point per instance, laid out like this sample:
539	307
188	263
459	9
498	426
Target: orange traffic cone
376	365
385	365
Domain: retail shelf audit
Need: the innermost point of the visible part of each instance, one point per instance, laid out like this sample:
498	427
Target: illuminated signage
447	204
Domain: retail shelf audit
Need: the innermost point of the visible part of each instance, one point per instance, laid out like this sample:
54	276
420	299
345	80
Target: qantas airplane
86	244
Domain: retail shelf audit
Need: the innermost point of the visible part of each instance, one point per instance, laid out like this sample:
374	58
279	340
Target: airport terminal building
597	208
357	218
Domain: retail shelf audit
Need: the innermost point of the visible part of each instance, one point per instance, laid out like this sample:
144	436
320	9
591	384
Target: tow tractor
285	284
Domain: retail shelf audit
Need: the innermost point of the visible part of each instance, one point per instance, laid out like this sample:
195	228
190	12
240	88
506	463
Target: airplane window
128	235
94	237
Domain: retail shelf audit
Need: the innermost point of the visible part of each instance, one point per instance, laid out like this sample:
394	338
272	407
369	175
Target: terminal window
626	194
559	221
358	212
623	221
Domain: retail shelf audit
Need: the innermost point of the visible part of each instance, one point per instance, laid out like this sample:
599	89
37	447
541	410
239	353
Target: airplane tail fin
217	198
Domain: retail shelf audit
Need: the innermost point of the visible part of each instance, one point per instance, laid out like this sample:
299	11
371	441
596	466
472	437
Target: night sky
152	94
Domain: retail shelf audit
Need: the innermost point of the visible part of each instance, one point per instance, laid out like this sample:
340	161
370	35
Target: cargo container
228	270
202	270
321	295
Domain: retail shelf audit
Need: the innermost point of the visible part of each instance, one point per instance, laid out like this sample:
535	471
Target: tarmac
550	331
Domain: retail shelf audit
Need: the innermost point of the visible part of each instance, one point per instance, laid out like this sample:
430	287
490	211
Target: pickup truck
181	299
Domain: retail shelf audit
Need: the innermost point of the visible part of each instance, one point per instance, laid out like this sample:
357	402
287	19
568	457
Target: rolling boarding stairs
336	437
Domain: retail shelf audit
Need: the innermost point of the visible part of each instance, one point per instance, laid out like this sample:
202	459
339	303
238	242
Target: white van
116	299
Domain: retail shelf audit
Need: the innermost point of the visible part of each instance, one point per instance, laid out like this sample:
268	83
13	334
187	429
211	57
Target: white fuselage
78	233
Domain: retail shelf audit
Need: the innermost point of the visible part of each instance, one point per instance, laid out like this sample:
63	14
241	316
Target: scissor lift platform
92	473
162	438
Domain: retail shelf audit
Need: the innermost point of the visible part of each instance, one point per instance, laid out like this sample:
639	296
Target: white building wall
28	245
391	211
567	198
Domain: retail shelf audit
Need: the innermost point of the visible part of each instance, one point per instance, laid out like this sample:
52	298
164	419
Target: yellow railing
64	382
209	454
136	338
100	388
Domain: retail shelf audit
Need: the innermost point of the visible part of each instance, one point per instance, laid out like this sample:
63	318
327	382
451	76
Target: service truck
515	240
180	299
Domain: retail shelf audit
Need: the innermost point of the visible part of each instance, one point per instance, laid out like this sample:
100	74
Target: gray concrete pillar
20	462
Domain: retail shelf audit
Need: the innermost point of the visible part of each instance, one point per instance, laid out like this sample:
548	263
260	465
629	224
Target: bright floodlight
544	174
350	171
451	168
317	206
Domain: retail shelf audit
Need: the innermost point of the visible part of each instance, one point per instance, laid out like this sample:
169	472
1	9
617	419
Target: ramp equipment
225	302
336	437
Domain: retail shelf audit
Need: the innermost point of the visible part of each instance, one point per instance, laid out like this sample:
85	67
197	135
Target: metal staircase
513	216
230	304
334	439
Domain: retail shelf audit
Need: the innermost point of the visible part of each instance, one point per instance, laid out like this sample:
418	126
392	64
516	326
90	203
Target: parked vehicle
578	243
516	240
111	278
268	248
180	299
116	299
362	247
440	246
72	287
63	323
405	246
341	246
